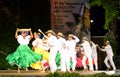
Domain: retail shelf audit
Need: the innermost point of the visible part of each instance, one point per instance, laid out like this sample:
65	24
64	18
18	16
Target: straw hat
50	31
85	38
60	34
70	35
107	42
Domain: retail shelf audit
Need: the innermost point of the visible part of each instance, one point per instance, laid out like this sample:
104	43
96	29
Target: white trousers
65	64
111	62
52	62
73	57
89	60
95	61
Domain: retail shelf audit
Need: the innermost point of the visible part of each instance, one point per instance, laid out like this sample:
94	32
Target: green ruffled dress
23	57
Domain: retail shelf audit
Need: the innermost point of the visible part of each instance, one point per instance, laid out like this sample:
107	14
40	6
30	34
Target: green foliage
97	75
111	10
66	74
95	2
117	62
4	64
101	75
73	74
8	42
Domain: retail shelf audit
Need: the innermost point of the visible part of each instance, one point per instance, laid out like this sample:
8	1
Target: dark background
29	13
36	14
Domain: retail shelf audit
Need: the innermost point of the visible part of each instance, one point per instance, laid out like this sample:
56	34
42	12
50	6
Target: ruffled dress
39	65
23	57
40	50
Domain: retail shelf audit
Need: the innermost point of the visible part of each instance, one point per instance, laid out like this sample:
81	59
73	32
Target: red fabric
46	64
79	62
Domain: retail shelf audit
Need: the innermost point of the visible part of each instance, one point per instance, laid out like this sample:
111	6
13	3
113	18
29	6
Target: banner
70	17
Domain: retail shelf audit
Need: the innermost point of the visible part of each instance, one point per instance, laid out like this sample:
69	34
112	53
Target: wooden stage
36	73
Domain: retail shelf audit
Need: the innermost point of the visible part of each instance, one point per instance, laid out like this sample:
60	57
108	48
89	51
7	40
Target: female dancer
23	56
39	48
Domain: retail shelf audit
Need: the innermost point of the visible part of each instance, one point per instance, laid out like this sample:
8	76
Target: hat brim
60	35
50	32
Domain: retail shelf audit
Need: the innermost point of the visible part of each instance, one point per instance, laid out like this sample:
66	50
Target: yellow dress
45	55
43	52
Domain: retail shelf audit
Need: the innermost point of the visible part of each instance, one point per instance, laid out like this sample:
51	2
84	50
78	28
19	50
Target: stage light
91	21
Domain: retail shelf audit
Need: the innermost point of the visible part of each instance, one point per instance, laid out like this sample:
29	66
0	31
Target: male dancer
109	57
52	43
87	54
94	54
70	45
62	51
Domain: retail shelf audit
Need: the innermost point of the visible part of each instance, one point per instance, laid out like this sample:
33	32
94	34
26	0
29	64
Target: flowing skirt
44	62
23	57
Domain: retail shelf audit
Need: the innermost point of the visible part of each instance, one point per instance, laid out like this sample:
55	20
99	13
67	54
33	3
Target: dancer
79	56
37	43
23	56
39	49
52	42
94	54
109	57
71	52
87	54
62	51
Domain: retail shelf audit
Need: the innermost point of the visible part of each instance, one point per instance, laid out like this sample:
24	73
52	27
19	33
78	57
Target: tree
111	8
111	15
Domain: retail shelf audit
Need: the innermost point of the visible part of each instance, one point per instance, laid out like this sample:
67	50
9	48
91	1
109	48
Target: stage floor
33	73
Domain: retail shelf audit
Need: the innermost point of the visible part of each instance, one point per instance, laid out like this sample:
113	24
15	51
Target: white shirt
71	44
23	41
39	42
94	49
108	50
61	43
52	41
86	47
